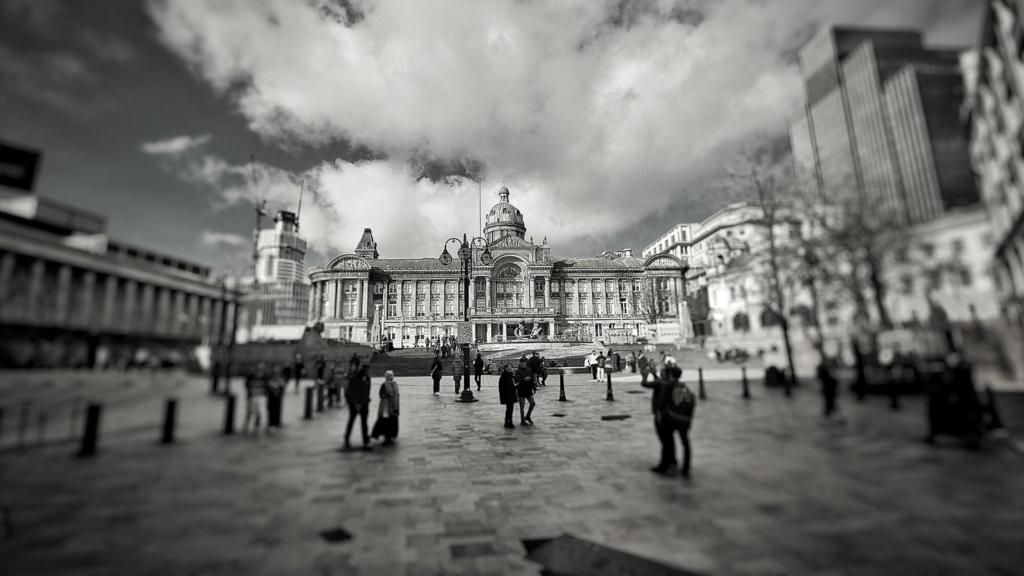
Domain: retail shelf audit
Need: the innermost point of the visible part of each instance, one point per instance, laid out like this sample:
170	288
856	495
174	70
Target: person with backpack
678	404
601	363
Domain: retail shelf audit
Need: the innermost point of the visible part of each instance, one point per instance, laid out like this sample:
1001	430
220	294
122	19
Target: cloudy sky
608	120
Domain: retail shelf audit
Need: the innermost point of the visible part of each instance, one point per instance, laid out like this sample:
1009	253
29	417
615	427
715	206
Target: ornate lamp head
445	258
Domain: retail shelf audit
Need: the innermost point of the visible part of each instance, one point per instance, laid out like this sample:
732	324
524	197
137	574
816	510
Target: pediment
348	262
511	241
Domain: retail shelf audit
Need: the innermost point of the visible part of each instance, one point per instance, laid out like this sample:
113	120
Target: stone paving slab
775	491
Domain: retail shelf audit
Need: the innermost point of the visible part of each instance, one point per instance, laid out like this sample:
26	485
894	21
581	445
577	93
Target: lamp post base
467	396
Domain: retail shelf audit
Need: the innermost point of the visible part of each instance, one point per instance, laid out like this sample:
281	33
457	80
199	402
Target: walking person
357	395
297	369
543	372
457	372
591	362
525	387
507	393
436	368
829	389
387	410
602	364
255	399
535	365
276	385
631	362
613	362
644	365
478	370
678	405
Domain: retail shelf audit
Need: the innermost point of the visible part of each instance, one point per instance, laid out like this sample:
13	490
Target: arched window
741	323
769	319
803	313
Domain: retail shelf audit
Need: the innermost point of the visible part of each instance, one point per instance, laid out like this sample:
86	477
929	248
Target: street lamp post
465	253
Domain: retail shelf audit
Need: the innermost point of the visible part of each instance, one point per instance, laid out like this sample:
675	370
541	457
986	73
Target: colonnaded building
524	293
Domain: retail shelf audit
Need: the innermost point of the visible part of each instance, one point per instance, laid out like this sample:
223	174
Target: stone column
547	291
106	319
85	314
177	321
504	331
359	298
399	312
444	290
7	262
488	331
205	311
35	290
576	298
551	329
63	296
311	307
487	296
166	311
131	315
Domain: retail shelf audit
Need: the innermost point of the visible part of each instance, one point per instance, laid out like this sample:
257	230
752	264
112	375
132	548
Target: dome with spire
503	218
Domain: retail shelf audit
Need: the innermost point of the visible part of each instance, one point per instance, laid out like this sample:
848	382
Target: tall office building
877	112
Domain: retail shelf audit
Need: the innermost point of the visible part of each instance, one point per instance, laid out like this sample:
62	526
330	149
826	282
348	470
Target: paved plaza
774	489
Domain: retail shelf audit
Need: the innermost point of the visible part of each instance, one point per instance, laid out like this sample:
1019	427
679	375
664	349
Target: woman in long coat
507	393
387	410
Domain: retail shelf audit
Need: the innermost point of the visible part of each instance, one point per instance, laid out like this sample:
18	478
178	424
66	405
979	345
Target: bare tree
761	177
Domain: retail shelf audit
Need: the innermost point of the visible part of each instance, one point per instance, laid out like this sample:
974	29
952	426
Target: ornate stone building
524	293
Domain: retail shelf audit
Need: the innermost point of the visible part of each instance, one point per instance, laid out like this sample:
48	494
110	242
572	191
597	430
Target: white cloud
218	239
174	146
596	113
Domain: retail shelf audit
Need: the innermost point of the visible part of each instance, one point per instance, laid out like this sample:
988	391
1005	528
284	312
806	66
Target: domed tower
503	219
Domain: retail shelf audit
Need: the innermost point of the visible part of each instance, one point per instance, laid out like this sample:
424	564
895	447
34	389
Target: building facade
279	296
69	296
994	112
880	119
524	293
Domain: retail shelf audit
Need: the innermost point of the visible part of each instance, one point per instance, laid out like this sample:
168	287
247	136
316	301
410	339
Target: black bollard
894	396
561	387
746	383
214	381
610	397
995	422
92	430
787	387
170	420
1	421
308	413
700	384
23	424
319	397
229	414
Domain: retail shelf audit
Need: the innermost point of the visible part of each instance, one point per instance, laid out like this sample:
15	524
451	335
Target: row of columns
332	291
95	302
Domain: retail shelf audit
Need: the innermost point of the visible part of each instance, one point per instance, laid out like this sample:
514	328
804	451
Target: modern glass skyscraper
853	137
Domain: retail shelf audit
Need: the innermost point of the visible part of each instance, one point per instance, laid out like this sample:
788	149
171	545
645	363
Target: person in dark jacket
829	387
276	385
357	395
478	370
535	365
602	363
664	433
644	365
507	393
526	384
436	368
